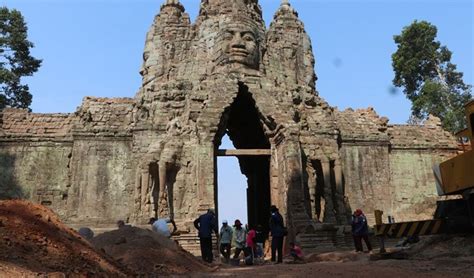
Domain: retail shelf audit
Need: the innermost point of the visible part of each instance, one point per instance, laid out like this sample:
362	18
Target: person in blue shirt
278	231
160	226
360	230
206	224
225	242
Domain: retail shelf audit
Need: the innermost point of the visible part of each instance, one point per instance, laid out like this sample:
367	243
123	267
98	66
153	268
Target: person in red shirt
296	253
251	244
251	239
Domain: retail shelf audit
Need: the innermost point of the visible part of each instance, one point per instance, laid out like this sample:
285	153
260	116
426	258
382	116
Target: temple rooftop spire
285	9
285	5
173	3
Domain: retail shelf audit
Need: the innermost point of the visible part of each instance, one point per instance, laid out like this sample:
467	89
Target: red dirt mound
33	240
147	253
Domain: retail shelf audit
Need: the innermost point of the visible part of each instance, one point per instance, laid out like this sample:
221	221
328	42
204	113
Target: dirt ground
146	253
435	256
356	269
34	243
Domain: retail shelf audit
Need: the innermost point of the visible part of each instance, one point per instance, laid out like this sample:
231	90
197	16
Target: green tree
15	60
430	81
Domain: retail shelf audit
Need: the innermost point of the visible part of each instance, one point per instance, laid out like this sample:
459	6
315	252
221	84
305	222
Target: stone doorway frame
239	153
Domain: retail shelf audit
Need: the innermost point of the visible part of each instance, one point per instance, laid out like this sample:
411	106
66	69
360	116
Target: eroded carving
239	44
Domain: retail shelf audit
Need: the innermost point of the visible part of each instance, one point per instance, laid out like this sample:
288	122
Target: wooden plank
245	152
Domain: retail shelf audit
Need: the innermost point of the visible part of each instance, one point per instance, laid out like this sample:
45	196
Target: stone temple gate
155	154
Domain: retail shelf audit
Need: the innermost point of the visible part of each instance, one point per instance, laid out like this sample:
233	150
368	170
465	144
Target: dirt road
34	243
355	269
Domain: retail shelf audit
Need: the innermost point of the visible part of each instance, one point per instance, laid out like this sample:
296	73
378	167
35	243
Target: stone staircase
329	238
190	242
318	238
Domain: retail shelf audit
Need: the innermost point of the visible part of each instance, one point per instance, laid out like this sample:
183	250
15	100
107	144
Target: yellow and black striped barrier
408	229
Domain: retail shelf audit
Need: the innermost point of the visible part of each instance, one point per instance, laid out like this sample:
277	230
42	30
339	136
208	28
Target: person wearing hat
206	224
360	231
239	237
225	242
277	229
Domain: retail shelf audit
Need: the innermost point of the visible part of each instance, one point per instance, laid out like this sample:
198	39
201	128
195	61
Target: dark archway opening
243	126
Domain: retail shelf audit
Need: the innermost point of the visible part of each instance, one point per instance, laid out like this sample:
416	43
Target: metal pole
382	245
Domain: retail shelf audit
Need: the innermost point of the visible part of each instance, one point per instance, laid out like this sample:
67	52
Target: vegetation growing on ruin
429	79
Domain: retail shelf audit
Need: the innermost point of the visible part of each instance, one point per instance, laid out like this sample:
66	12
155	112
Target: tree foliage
430	81
15	60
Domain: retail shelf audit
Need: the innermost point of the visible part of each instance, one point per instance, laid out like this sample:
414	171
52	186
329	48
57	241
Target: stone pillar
278	181
274	177
163	209
329	213
339	193
138	195
312	189
145	193
205	177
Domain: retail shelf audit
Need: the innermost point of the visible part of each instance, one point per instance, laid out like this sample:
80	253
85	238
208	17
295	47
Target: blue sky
94	48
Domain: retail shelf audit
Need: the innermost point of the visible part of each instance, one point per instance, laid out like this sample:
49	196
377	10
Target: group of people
246	239
249	240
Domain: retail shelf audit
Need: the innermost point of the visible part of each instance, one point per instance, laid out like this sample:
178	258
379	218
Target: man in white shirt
160	226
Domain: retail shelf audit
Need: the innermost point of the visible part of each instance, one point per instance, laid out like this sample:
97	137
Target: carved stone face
152	63
146	64
240	45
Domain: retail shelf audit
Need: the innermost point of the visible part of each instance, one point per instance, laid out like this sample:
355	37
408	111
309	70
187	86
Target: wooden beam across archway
245	152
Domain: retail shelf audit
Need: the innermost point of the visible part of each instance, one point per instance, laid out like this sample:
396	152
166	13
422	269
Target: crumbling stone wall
389	167
414	151
35	152
366	159
36	171
101	171
367	178
101	181
413	184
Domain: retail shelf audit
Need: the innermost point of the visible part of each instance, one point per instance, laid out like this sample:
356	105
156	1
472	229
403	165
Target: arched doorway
241	122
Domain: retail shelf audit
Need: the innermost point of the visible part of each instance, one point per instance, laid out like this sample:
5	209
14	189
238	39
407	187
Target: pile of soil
441	246
34	241
147	253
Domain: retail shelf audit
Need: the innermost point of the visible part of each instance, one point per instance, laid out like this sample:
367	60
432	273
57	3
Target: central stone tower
228	74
